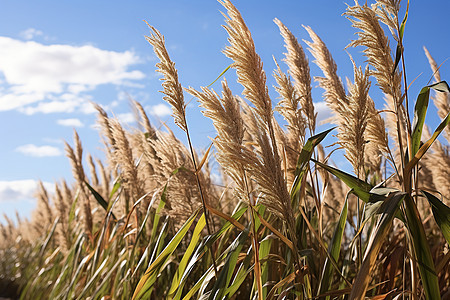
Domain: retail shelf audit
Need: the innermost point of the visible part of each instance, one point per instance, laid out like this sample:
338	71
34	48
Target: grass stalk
205	210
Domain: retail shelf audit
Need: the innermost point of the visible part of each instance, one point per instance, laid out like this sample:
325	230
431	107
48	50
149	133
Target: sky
56	57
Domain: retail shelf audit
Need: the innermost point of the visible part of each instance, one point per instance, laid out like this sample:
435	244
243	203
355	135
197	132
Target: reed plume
353	122
226	117
252	77
172	88
76	157
376	48
334	92
297	62
294	139
378	52
377	137
247	63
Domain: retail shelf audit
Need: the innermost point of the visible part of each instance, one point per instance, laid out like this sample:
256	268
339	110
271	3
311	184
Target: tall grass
149	222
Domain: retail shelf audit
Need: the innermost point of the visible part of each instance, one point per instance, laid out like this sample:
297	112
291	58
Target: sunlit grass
283	223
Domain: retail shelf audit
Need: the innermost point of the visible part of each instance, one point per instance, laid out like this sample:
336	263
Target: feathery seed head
298	65
171	87
247	62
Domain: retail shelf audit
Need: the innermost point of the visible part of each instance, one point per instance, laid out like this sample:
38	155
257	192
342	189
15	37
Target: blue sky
57	56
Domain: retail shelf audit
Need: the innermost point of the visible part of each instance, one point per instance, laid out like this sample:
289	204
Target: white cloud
86	107
19	190
30	33
73	122
39	151
160	110
48	107
323	111
126	118
59	74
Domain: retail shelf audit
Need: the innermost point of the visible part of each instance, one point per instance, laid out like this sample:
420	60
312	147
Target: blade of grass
204	159
280	284
220	75
207	276
399	51
154	269
244	269
161	205
359	188
187	254
115	188
424	148
303	160
333	250
99	198
441	213
322	244
264	251
420	111
49	236
105	280
276	232
219	289
91	281
422	250
226	217
387	211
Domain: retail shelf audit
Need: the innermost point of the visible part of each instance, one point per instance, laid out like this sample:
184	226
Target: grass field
150	221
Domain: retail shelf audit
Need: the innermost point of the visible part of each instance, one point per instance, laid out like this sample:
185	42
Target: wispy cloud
19	190
160	110
39	151
73	122
52	78
30	33
126	118
323	111
65	103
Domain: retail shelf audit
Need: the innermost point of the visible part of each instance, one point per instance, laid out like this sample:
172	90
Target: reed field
151	221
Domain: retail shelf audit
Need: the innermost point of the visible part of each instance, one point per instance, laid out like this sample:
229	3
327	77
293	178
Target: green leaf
220	286
73	208
95	277
105	280
115	188
264	251
157	216
398	52
424	148
239	278
398	55
303	160
420	112
334	250
387	210
187	254
402	26
359	188
155	268
422	250
220	75
99	199
49	237
441	213
207	276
